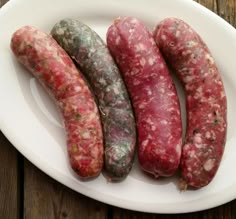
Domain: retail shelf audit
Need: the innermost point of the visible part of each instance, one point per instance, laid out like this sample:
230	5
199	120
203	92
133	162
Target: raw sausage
206	106
98	66
153	95
51	65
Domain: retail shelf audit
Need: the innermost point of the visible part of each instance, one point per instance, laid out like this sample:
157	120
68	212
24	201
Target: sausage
153	95
206	101
98	66
54	69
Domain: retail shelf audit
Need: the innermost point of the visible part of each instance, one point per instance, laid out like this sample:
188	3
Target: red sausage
51	65
153	95
206	106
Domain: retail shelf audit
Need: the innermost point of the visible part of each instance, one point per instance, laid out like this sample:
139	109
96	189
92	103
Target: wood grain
9	179
45	198
210	4
2	2
224	8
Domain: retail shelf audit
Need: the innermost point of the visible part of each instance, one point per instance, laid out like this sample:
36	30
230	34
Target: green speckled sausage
96	63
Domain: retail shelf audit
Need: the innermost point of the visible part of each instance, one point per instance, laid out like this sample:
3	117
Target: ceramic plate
31	121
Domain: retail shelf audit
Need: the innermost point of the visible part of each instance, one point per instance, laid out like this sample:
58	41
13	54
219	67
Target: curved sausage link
98	66
153	95
51	65
206	106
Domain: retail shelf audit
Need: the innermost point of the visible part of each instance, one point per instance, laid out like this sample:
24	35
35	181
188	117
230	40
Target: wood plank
46	198
9	180
2	2
226	9
225	211
210	4
9	176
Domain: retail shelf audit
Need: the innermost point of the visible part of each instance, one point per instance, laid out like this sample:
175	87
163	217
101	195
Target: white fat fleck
134	71
188	79
142	105
213	135
149	121
216	105
179	147
200	145
117	42
161	77
94	152
209	58
149	92
145	142
199	90
70	41
116	89
131	31
171	28
142	61
191	154
186	52
171	94
140	47
163	37
149	137
191	44
177	33
164	122
160	151
197	138
151	60
60	31
162	90
209	164
172	109
222	94
92	50
86	135
91	116
189	175
161	65
134	21
153	128
102	81
194	61
136	82
199	94
153	74
21	47
208	135
78	88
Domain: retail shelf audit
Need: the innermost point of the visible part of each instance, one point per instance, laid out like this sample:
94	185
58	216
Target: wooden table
26	192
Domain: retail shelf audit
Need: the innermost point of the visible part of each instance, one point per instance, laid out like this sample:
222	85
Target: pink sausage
206	106
153	95
51	65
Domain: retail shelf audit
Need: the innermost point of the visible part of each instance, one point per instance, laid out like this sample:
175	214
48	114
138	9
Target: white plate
30	120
